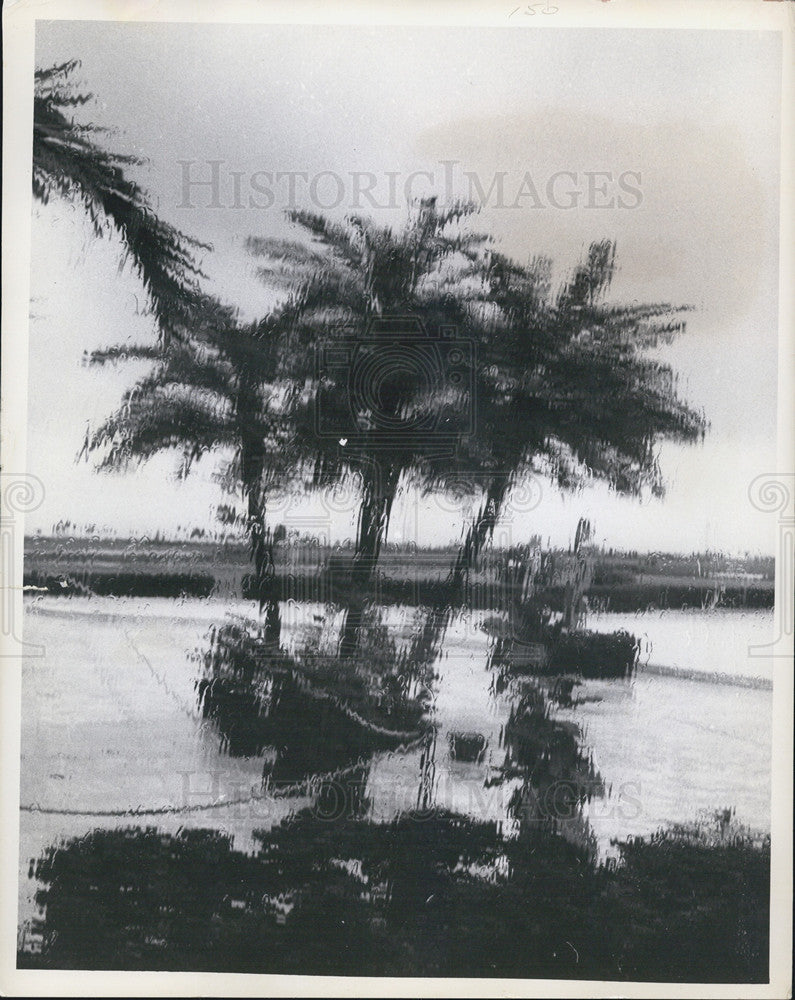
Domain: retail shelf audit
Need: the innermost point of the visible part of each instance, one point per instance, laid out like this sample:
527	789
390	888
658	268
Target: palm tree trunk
374	513
480	530
266	586
252	467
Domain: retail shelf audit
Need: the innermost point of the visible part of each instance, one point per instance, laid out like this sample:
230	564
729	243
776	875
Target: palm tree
69	162
351	289
218	390
566	388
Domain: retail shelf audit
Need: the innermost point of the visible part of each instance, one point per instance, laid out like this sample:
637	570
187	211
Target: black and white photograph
398	493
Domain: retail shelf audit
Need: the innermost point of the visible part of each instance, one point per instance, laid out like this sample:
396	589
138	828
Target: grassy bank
316	573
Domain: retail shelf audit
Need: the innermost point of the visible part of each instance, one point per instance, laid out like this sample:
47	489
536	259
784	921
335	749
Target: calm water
111	723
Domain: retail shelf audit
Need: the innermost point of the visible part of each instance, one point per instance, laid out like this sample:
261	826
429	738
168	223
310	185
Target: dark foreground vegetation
426	894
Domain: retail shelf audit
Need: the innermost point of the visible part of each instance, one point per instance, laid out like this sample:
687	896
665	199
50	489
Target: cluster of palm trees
551	380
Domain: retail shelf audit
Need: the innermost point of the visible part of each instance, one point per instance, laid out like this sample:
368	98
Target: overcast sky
685	124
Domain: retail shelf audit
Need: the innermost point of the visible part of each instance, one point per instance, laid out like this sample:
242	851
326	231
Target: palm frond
153	419
68	160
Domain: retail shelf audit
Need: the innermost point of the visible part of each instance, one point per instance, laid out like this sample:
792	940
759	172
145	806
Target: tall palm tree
396	404
69	160
216	391
566	387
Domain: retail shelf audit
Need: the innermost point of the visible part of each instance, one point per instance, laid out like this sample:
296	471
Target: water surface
113	732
